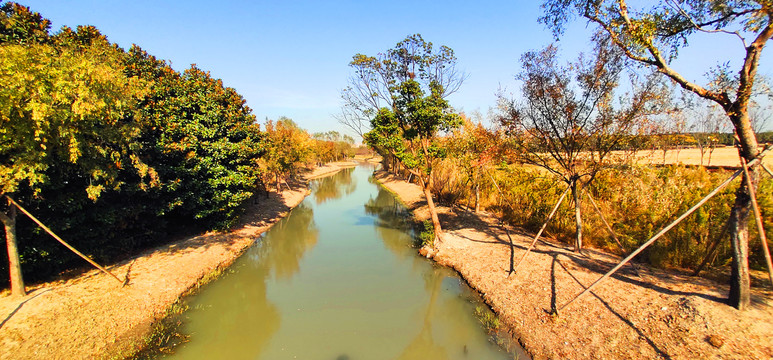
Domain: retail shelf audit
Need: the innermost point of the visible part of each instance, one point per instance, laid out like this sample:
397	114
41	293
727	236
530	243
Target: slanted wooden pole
553	212
44	227
766	169
758	219
657	236
609	229
496	186
604	220
512	253
502	220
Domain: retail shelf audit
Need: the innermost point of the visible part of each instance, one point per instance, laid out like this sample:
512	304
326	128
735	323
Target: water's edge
163	334
506	337
166	333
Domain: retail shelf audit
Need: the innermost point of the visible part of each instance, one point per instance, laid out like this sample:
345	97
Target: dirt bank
92	316
656	314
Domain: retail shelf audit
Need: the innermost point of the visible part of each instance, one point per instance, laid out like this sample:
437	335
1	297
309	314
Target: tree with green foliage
409	133
163	151
652	34
402	95
61	103
201	139
19	25
376	78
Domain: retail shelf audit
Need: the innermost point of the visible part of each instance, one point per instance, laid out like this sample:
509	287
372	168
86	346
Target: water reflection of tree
280	251
239	320
392	226
388	211
392	223
237	330
333	187
423	345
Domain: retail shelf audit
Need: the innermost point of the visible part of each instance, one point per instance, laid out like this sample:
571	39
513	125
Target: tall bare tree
569	121
652	34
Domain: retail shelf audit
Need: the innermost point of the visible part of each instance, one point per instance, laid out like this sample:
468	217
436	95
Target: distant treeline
116	151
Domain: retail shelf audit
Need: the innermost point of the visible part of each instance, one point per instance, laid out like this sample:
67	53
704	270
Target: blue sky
289	58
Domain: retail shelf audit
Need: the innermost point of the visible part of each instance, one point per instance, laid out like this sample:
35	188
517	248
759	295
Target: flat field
721	156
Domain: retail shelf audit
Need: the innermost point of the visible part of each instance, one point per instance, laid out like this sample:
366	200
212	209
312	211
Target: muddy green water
338	278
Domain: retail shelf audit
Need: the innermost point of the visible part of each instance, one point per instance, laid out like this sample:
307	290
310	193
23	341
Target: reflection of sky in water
337	279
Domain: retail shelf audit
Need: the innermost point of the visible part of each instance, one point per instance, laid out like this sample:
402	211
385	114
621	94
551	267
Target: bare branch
701	27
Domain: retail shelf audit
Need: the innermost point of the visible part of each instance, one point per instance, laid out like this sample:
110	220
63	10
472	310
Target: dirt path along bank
91	316
657	314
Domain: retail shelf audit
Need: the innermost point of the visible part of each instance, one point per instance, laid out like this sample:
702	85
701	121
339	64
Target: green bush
427	236
193	161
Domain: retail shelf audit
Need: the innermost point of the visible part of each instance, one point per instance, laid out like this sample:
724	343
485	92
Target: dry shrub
640	201
447	184
637	201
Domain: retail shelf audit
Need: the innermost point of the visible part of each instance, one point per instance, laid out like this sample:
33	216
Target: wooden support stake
609	229
512	253
531	246
667	228
657	236
758	219
44	227
767	170
502	194
502	220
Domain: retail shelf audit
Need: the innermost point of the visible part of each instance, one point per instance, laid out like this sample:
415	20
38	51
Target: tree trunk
703	151
665	150
577	217
432	211
14	264
470	195
477	196
739	296
711	150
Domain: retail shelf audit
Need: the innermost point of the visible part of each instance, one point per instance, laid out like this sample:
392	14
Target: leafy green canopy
377	79
409	131
200	138
64	103
78	112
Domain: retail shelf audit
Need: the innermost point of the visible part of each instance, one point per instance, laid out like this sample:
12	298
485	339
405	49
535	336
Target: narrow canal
338	278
